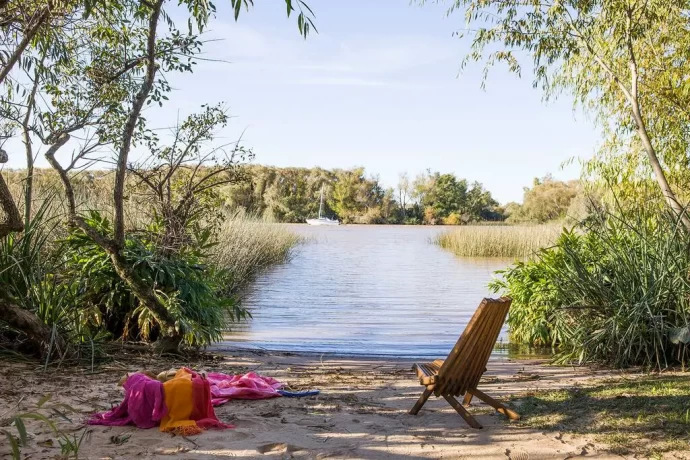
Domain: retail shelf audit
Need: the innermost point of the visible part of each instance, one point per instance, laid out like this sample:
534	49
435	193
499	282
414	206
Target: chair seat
427	372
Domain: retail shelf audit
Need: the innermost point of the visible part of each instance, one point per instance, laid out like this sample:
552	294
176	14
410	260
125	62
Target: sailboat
322	220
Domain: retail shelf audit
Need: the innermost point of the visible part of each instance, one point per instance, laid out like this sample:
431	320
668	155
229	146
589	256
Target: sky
379	86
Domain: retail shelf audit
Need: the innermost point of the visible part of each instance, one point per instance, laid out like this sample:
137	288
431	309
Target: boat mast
321	204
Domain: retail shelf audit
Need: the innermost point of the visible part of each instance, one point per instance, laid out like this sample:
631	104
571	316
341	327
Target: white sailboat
322	220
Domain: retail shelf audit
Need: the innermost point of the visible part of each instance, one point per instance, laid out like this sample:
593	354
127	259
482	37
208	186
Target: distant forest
292	195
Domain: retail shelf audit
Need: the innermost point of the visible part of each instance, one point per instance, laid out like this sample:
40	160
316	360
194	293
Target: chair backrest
467	361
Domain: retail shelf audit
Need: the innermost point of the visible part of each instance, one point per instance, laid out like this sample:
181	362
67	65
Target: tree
625	60
547	200
449	195
115	64
404	193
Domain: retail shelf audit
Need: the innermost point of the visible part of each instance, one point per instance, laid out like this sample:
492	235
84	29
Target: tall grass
249	245
498	241
616	291
69	282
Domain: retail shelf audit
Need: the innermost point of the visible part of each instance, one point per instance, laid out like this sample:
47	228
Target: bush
189	288
615	290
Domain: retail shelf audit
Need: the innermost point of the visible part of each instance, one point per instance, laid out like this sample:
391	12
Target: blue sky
377	87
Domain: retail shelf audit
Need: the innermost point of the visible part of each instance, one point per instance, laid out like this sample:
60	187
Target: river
365	290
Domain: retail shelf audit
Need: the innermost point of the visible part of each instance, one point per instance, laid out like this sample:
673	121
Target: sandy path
360	413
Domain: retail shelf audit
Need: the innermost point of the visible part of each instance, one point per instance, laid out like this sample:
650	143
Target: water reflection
374	290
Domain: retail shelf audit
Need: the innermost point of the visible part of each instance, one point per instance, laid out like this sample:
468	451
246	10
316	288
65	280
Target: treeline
351	195
293	195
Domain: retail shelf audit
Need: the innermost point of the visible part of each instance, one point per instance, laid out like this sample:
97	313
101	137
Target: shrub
189	288
613	291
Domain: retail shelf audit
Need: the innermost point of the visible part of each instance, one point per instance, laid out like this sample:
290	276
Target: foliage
624	61
90	67
519	241
440	195
292	195
188	287
547	200
249	245
614	290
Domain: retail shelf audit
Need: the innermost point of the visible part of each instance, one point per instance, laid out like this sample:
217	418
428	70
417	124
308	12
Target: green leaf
21	429
43	400
16	454
238	6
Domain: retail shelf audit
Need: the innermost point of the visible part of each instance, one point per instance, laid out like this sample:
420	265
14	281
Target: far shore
360	413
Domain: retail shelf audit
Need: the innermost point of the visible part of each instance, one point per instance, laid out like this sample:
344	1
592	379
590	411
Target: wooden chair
459	374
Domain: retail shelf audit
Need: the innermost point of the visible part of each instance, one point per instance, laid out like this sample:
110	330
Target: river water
365	290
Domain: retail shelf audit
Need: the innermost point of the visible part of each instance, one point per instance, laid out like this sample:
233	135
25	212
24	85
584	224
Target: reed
498	241
249	245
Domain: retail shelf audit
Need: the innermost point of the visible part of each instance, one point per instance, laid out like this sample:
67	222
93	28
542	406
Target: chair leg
501	408
467	399
471	421
420	402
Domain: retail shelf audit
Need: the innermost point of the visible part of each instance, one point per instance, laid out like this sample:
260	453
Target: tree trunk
12	221
666	190
130	126
28	147
146	296
37	332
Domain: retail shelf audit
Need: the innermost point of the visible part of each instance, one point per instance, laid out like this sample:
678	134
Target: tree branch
130	126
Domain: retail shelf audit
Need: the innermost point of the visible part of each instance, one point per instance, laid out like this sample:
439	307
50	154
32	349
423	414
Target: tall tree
111	63
624	59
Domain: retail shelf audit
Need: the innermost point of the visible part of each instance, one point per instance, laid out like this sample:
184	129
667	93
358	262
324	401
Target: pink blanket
143	406
248	386
144	403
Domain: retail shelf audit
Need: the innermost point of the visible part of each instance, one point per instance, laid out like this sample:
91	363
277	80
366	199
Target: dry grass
249	245
498	241
645	415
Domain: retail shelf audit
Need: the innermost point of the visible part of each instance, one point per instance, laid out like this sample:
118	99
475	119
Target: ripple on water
365	290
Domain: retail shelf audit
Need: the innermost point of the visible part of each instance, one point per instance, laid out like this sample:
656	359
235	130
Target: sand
360	413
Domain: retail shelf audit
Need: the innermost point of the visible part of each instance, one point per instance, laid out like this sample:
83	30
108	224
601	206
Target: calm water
365	290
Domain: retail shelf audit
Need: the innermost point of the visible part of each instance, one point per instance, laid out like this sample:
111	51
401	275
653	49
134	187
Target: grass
647	415
498	241
249	245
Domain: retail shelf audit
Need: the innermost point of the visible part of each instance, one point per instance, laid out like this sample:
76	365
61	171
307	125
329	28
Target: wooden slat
471	421
460	373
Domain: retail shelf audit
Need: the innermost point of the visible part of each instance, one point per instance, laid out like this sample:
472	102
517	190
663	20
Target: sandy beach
361	412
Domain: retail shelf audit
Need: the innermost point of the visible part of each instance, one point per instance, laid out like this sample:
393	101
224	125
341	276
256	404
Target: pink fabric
248	386
143	406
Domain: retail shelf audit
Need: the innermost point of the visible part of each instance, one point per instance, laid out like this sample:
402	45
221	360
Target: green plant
614	291
69	444
249	245
189	287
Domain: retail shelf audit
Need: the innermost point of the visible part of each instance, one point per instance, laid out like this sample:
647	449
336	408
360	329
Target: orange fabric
188	400
179	399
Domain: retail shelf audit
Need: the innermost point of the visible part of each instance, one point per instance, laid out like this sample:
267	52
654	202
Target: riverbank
360	413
